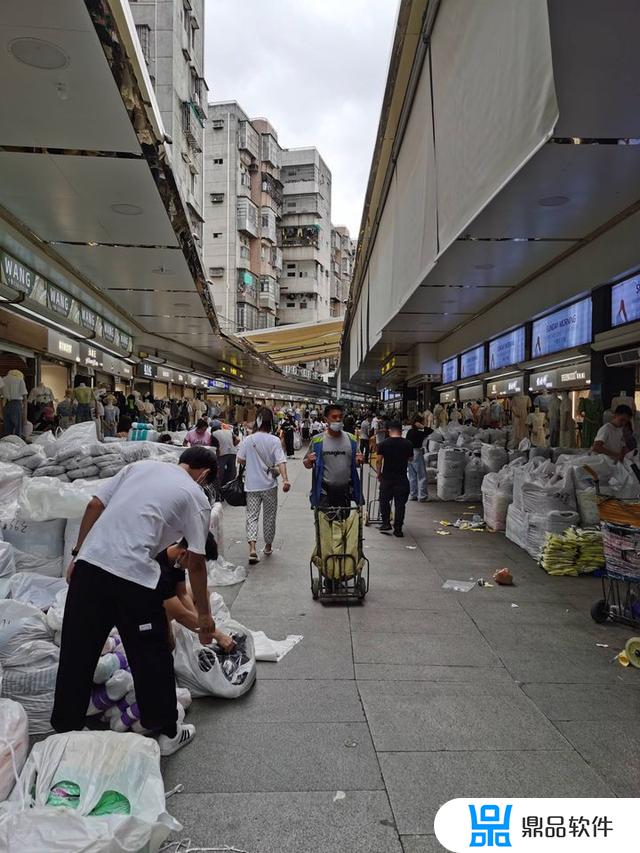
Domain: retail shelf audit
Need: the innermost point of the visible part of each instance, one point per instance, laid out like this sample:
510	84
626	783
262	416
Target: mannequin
537	422
623	400
65	410
14	403
496	413
567	423
199	408
84	398
485	414
592	410
553	413
455	415
428	417
542	401
520	407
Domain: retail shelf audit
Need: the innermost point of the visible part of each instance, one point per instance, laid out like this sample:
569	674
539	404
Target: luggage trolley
620	524
372	504
338	557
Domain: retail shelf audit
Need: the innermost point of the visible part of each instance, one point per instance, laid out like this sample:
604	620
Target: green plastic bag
64	793
67	794
111	802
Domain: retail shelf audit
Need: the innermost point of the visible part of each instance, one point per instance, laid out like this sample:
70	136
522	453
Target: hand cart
620	525
338	556
372	504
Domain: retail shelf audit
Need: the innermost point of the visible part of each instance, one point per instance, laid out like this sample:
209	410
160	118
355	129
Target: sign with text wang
569	327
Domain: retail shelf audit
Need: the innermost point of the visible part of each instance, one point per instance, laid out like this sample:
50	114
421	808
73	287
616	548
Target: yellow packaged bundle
559	555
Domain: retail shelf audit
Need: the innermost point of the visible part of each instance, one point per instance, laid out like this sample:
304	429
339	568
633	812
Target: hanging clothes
537	422
592	411
567	424
553	413
520	407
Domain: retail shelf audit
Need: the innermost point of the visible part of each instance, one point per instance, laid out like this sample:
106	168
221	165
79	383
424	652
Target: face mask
336	426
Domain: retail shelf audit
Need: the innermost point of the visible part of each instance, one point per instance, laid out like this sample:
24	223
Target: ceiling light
126	209
38	54
484	266
553	201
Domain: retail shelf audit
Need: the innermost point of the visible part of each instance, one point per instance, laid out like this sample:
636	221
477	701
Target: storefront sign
625	301
108	331
569	327
17	276
471	392
572	376
179	378
58	301
146	370
507	349
449	371
90	355
62	347
505	387
472	362
88	318
448	396
164	374
218	383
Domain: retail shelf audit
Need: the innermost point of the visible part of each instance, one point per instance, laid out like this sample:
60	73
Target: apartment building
342	257
171	35
242	208
305	288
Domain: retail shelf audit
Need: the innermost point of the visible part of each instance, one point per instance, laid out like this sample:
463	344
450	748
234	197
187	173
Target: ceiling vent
618	359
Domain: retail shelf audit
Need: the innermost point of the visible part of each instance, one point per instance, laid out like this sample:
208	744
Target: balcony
268	221
271	151
302	235
269	296
191	125
247	287
272	187
249	139
247	217
276	258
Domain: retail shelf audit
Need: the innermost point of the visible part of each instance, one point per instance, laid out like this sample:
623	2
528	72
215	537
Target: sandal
253	558
267	550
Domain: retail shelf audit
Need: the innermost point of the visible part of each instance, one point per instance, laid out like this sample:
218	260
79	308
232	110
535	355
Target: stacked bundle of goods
493	457
575	552
474	475
451	465
497	495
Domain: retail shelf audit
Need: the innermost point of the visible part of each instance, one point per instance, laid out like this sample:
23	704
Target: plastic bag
552	522
273	650
557	493
493	457
96	762
55	613
39	538
38	590
11	480
207	671
7	567
49	498
32	683
216	526
52	567
14	744
297	441
222	573
77	436
20	624
474	474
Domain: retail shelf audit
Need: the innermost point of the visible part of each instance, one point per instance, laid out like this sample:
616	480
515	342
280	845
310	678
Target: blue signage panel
625	301
472	362
449	371
566	328
507	349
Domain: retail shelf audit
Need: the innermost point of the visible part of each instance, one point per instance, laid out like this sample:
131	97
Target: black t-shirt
417	436
396	453
170	576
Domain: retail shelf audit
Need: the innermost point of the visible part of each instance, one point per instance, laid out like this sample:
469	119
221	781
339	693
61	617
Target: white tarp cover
494	101
381	297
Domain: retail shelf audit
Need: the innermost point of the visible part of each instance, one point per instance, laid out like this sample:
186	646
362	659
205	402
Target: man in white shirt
113	580
610	438
226	451
262	454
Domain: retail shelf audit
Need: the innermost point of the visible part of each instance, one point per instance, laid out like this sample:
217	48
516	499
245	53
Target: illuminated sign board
449	371
572	376
569	327
507	349
505	387
472	362
625	301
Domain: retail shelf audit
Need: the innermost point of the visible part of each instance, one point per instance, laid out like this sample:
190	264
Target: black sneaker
398	533
385	528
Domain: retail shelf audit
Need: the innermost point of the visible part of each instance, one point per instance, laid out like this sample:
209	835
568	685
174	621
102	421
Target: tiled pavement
385	711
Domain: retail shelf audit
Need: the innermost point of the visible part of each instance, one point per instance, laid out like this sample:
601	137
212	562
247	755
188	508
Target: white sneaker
169	745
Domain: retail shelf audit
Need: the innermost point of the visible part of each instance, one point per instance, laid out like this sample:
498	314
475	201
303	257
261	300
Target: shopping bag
207	671
233	492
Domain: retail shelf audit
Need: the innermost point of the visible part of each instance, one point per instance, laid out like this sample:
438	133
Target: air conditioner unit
624	357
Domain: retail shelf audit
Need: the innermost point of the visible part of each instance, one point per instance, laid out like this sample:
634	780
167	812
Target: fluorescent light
18	306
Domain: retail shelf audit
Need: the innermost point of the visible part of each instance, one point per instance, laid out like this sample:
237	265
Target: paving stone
586	702
379	617
441	649
421	844
289	822
420	782
238	756
454	717
565	665
460	674
611	750
295	701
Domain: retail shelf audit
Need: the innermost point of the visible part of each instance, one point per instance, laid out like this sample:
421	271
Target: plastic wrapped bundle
552	522
14	744
543	452
537	468
516	526
450	480
32	683
557	452
432	475
541	496
494	457
587	501
497	494
474	474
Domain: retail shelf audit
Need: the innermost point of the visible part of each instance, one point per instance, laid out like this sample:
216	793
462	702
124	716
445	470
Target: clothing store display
567	424
537	422
553	416
592	411
520	407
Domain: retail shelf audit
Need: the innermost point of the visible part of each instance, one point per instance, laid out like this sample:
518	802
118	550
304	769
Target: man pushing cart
336	500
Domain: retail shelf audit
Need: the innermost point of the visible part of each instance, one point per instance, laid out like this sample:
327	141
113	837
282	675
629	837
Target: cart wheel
315	589
361	588
600	611
632	649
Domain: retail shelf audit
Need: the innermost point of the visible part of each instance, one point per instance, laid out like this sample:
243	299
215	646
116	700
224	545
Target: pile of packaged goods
577	551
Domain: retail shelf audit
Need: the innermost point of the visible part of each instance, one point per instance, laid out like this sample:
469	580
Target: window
291	275
291	266
303	304
144	37
265	220
218	161
217	123
193	183
217	234
291	204
216	272
291	304
244	252
217	198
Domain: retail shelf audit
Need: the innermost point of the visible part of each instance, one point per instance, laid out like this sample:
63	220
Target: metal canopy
298	342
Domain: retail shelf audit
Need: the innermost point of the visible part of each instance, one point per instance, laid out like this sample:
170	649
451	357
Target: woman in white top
262	455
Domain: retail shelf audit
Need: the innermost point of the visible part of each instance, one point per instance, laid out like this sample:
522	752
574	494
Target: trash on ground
273	650
476	523
602	645
515	605
622	658
340	795
459	586
483	582
411	547
503	577
443	532
351	744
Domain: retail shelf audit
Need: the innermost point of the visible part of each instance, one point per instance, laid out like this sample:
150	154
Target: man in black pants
393	457
113	580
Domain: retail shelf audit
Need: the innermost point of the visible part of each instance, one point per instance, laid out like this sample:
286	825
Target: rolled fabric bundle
83	473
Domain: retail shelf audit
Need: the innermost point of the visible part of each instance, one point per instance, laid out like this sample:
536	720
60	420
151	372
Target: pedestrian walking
263	457
334	457
227	442
113	580
365	435
417	470
393	457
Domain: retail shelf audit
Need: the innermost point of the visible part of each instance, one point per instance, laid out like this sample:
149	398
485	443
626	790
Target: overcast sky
316	69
